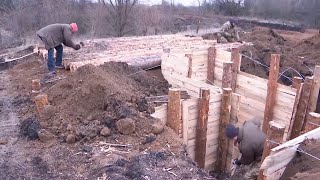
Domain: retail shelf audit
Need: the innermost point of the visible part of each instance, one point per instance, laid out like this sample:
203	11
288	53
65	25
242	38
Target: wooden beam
201	131
272	91
189	56
312	122
315	90
211	64
236	60
41	101
297	82
174	110
227	75
222	152
302	108
274	138
36	85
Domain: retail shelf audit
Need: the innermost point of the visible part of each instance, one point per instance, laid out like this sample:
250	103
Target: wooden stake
174	110
236	60
297	82
302	108
201	131
315	90
36	86
272	91
274	138
41	101
189	64
312	122
227	75
222	152
211	64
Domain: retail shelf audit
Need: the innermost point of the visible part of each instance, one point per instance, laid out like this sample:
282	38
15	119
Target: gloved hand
236	162
77	47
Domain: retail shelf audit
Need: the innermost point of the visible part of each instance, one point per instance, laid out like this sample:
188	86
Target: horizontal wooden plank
223	55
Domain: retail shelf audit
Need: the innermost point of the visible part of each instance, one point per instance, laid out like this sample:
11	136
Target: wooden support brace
201	131
274	138
297	82
36	85
222	152
272	91
174	110
315	90
211	64
189	65
300	115
236	60
312	122
227	75
41	101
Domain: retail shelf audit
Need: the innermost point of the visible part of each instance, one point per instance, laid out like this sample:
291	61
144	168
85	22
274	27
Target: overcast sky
184	2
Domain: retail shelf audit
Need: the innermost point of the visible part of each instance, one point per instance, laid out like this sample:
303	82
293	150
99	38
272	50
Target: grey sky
184	2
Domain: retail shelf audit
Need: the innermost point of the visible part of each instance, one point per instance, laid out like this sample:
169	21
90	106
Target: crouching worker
53	36
250	140
228	33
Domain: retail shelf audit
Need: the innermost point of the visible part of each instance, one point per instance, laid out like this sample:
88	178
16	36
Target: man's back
55	34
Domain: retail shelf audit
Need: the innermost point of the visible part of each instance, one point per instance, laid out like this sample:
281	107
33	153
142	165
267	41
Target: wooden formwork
214	68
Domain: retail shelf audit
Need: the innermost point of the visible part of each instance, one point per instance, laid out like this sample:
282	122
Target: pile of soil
266	42
309	49
303	166
96	97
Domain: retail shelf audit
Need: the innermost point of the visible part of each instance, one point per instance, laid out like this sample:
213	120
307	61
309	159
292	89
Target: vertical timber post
41	101
312	122
274	138
201	131
174	110
227	75
272	91
35	85
236	60
189	56
222	153
211	64
315	90
302	107
297	82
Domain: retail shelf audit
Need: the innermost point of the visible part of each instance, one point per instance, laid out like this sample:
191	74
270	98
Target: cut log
41	101
236	62
174	110
211	64
35	85
312	122
201	132
227	75
315	90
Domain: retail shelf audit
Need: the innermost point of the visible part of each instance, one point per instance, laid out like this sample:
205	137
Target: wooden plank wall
253	89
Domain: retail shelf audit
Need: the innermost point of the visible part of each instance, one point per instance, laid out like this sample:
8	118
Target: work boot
50	75
60	67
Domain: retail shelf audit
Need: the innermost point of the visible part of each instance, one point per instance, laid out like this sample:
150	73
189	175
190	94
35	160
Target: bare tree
120	11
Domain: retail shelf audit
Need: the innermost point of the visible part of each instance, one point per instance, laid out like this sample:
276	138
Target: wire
143	70
9	60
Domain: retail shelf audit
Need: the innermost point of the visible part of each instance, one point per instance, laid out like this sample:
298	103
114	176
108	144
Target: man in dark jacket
250	140
53	36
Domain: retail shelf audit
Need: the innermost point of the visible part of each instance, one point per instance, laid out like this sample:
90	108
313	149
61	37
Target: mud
304	166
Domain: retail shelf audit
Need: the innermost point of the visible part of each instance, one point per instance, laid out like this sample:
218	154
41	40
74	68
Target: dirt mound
308	49
304	166
96	97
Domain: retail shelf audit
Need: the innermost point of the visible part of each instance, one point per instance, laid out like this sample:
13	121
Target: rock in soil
3	141
71	139
48	112
149	139
29	128
45	135
158	127
105	131
126	126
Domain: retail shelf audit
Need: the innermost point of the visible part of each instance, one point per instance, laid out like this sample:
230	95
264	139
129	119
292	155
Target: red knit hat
74	27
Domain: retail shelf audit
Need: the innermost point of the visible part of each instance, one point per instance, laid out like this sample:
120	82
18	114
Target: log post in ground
201	131
41	101
174	110
312	122
236	60
227	75
211	64
302	107
36	85
189	56
222	152
297	82
315	90
274	138
272	91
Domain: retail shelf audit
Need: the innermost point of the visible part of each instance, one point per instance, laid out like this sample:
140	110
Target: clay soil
303	166
86	101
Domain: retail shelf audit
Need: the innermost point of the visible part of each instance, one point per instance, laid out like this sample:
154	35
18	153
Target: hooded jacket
251	142
55	34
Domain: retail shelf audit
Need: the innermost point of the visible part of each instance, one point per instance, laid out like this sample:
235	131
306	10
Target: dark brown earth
303	166
85	102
